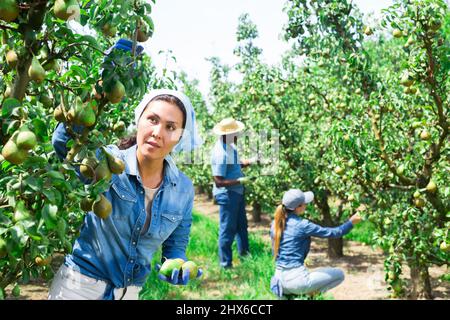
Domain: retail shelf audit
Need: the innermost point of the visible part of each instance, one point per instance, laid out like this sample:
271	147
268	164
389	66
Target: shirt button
131	261
129	280
123	196
134	243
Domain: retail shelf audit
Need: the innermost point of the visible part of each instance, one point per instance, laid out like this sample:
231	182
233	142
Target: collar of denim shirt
171	170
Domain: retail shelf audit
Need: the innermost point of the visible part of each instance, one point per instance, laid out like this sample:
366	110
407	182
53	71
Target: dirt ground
362	265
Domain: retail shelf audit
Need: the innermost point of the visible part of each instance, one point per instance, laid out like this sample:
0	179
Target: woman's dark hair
129	141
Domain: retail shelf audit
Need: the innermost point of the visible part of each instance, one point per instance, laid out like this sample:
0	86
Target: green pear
192	267
87	167
109	29
36	72
59	114
339	170
12	153
102	208
12	59
86	116
87	204
397	33
116	165
9	10
143	33
169	265
431	186
116	93
26	139
8	91
425	135
65	9
46	101
102	171
368	31
406	80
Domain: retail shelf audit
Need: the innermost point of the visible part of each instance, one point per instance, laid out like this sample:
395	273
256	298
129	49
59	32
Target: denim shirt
113	249
295	241
225	163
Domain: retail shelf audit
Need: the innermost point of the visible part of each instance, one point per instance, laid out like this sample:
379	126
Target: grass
249	279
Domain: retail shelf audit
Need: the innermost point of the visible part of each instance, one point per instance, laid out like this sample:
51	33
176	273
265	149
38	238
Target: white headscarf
190	138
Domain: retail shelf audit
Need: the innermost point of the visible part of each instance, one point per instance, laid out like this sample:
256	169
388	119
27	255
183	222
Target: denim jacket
113	249
295	241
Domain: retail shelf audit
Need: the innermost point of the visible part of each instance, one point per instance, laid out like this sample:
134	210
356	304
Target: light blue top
296	239
225	163
113	249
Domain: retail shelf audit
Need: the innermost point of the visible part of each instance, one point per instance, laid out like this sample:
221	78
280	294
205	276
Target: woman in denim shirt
151	207
291	240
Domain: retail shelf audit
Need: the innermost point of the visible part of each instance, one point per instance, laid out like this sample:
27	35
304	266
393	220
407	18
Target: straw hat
228	126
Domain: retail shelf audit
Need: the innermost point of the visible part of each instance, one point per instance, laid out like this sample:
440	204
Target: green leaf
40	128
21	212
79	71
33	183
50	195
49	214
18	235
8	106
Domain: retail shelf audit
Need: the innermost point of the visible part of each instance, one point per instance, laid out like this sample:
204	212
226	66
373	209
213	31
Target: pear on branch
143	32
87	167
11	59
109	29
102	208
116	92
12	153
59	114
66	9
81	114
116	165
36	71
26	139
87	204
102	170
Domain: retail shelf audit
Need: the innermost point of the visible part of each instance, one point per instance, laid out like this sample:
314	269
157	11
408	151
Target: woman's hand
355	219
177	277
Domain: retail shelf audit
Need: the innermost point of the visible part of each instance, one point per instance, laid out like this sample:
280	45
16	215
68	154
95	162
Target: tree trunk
420	282
335	248
199	190
210	194
256	212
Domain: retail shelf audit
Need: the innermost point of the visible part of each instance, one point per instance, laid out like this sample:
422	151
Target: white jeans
69	284
301	281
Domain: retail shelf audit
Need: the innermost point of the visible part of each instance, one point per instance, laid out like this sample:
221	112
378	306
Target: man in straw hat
228	190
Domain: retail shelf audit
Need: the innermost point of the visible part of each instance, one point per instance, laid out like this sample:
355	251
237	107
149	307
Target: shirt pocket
123	201
169	222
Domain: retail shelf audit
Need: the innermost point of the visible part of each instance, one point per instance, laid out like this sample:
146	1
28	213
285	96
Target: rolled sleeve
176	244
219	165
314	230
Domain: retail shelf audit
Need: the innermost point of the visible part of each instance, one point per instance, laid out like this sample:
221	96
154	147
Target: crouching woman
291	239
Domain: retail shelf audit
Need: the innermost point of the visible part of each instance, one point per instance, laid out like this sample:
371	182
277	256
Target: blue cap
295	197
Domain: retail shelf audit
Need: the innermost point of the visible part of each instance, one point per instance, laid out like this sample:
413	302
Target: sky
198	29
